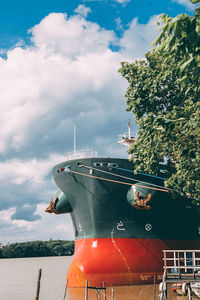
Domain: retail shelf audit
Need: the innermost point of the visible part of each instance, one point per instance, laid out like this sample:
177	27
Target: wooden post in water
38	285
104	290
65	291
154	287
86	290
112	294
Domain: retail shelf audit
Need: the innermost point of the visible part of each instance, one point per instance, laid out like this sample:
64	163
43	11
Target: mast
74	140
127	139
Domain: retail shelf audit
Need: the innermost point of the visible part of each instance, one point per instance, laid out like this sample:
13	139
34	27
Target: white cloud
49	226
124	2
119	25
5	215
137	38
35	171
186	3
70	65
70	61
67	76
70	37
83	10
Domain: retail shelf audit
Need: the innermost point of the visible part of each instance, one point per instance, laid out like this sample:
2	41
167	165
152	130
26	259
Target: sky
59	63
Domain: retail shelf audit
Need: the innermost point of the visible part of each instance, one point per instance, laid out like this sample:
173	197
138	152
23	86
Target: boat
122	220
181	288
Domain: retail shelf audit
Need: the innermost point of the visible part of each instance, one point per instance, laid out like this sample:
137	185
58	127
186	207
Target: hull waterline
116	262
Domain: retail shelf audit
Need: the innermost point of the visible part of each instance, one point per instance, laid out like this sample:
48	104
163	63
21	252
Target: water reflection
137	292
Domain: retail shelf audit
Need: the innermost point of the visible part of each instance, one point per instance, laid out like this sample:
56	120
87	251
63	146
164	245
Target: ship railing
181	267
81	154
126	139
125	136
182	264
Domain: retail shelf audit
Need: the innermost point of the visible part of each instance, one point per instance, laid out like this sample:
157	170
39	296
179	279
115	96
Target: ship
122	220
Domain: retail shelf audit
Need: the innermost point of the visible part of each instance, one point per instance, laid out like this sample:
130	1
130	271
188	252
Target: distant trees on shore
37	249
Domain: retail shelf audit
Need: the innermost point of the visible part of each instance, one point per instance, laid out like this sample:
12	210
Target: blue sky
59	64
17	17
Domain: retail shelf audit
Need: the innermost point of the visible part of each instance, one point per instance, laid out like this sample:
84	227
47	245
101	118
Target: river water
18	281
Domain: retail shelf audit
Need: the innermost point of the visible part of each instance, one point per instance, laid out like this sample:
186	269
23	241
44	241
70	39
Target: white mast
74	140
78	154
127	139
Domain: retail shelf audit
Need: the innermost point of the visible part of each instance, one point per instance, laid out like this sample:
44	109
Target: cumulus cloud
83	10
186	3
138	38
69	65
33	171
24	184
68	75
71	37
48	226
118	23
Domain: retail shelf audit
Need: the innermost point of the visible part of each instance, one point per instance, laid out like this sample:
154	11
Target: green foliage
194	1
180	39
164	96
37	249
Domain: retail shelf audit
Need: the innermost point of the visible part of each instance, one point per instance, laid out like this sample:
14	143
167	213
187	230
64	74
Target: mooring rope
128	178
116	181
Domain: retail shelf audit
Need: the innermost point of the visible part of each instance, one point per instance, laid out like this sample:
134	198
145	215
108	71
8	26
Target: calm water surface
18	280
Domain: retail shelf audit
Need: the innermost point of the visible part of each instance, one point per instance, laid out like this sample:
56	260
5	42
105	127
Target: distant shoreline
37	249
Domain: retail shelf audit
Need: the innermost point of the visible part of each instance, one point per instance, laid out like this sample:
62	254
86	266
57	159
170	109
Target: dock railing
182	264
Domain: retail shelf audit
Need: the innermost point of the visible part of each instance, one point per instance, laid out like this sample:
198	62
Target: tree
164	96
37	249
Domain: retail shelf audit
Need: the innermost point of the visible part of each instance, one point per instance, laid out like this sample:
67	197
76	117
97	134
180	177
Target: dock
180	266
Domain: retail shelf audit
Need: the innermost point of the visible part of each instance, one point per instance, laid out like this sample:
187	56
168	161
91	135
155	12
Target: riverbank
37	249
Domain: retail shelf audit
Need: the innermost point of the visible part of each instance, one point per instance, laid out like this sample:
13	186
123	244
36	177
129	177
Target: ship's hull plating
120	261
116	243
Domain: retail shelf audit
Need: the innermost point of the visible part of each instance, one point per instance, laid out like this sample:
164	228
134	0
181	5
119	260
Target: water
18	277
18	281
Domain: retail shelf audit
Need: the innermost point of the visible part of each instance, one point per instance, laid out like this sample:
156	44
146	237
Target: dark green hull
99	207
117	243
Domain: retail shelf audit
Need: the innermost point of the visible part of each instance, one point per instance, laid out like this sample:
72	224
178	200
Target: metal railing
81	154
182	264
98	290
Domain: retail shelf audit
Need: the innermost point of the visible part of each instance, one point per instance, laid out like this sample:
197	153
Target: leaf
188	62
177	28
198	29
194	1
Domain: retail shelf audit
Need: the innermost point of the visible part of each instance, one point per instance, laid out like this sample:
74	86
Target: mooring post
65	290
112	294
38	285
104	286
86	290
154	287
